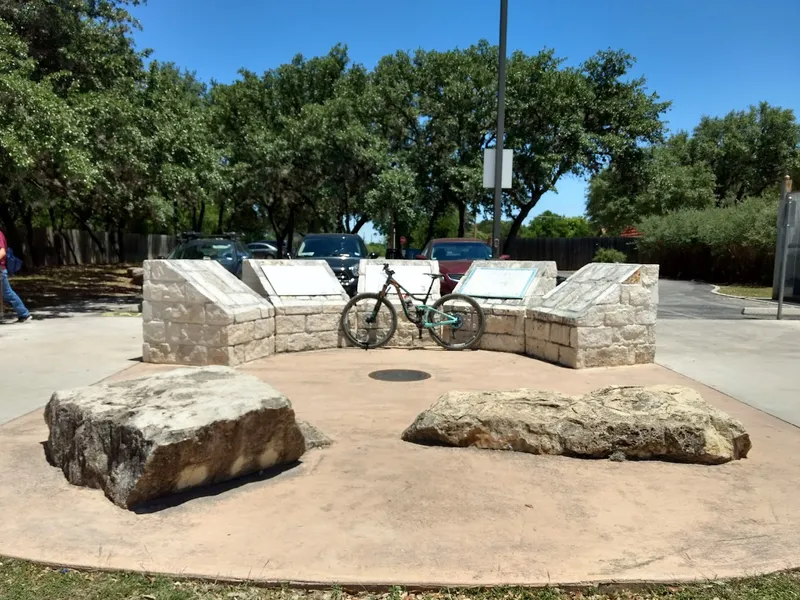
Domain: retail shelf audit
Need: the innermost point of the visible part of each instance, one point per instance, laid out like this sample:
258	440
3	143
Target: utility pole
501	114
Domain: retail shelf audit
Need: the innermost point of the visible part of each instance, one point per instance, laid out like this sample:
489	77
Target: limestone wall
308	301
503	306
602	316
197	313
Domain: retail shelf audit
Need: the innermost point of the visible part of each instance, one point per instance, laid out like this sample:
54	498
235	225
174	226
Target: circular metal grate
399	375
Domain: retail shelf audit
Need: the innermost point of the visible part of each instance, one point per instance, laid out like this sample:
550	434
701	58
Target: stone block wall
302	321
505	329
197	313
310	326
505	317
602	316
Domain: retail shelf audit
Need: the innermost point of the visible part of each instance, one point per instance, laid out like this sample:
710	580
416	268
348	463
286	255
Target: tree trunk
51	212
28	220
88	230
362	220
290	232
202	216
523	213
462	218
432	224
221	215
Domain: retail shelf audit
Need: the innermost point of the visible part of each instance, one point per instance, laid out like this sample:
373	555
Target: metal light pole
501	115
788	217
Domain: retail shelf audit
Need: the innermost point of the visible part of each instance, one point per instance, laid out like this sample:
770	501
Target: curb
715	290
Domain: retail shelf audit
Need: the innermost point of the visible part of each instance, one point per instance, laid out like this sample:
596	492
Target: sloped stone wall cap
670	423
148	437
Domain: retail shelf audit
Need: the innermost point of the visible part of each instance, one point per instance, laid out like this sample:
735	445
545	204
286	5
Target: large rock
661	422
149	437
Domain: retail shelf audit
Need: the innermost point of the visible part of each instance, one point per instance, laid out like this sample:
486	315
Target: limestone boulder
661	422
314	437
149	437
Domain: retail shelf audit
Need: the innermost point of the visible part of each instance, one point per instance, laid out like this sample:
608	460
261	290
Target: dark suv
223	248
342	251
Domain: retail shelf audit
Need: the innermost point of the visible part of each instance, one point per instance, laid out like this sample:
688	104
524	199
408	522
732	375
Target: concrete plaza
374	509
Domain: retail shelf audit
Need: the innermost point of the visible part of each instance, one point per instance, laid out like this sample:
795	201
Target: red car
455	255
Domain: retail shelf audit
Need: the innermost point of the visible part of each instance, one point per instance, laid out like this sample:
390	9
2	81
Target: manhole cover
399	375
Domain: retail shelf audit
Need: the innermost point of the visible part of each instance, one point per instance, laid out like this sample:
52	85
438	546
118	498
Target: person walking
9	296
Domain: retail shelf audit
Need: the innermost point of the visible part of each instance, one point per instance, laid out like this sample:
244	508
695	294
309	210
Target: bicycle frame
423	310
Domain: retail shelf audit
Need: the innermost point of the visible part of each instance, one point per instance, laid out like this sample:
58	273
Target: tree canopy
725	160
95	135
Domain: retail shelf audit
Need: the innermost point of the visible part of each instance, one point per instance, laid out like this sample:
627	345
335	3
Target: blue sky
706	56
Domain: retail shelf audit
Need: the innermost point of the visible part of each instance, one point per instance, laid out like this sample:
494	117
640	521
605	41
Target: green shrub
609	255
730	244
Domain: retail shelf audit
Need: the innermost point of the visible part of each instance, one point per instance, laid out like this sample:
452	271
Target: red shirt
4	246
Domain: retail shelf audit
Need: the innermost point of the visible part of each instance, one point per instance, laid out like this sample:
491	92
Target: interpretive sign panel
415	278
305	280
488	282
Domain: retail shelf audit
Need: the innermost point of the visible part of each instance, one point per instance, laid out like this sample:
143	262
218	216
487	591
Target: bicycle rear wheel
369	321
468	328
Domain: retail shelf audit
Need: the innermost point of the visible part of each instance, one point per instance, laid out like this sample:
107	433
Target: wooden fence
46	247
570	254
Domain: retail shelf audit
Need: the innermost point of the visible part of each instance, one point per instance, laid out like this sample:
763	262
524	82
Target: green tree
549	224
572	121
659	180
184	161
725	160
42	142
748	151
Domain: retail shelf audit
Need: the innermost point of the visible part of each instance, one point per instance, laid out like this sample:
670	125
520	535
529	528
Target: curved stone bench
196	312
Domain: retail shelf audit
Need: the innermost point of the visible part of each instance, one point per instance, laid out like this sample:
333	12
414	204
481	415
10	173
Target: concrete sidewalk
753	361
60	353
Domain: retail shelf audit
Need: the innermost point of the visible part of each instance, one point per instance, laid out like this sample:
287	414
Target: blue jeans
11	297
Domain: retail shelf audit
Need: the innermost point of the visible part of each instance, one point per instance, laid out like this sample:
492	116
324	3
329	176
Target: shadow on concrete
211	491
97	306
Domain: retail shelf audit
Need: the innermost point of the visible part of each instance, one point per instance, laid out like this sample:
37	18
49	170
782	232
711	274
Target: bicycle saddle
435	275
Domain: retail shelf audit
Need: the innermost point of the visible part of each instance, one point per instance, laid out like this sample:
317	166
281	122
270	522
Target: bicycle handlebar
387	270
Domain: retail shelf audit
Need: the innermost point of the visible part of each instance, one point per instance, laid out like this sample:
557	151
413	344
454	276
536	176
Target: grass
747	291
21	580
54	286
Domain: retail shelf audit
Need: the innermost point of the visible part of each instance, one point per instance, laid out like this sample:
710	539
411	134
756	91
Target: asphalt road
690	300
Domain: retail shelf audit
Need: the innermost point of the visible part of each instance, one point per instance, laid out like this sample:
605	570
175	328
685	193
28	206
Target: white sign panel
486	282
489	168
415	279
310	280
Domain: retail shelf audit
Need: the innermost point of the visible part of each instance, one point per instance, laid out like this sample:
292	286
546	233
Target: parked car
265	249
455	255
223	248
342	251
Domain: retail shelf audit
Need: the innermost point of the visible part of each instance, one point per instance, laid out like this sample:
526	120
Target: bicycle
454	321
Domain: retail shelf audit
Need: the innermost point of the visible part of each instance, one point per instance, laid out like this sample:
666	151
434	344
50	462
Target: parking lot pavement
754	361
691	300
52	354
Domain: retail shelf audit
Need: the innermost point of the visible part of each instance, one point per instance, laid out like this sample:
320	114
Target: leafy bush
721	244
609	255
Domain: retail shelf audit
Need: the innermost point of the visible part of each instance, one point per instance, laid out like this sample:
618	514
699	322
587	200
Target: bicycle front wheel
458	322
369	321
